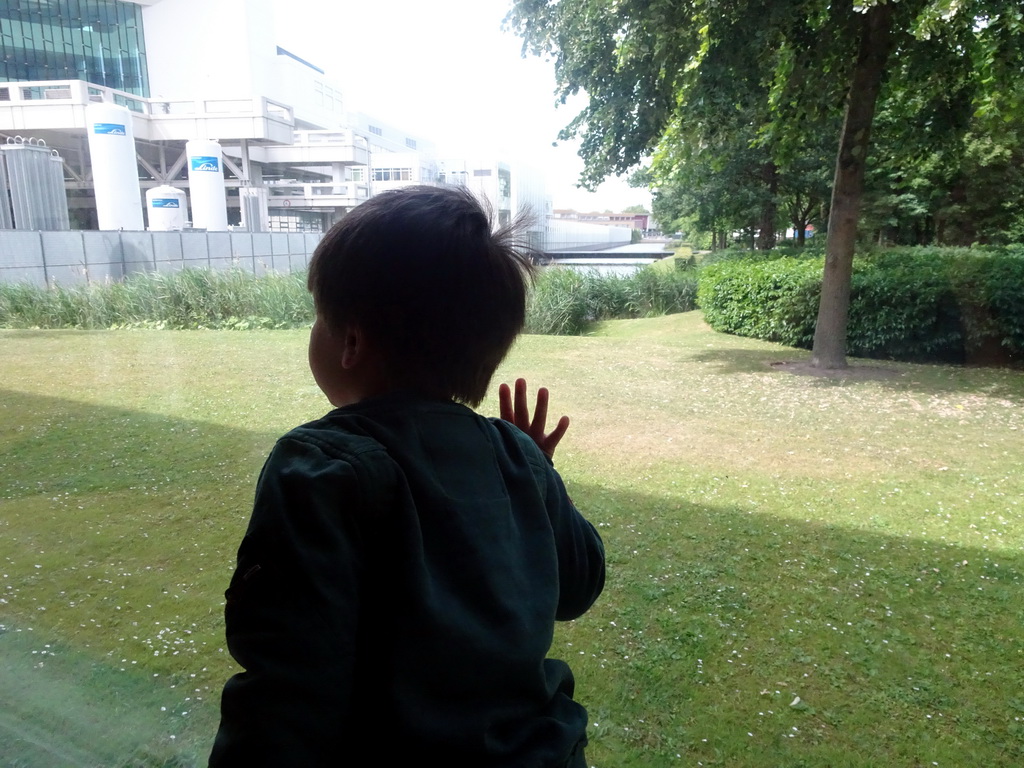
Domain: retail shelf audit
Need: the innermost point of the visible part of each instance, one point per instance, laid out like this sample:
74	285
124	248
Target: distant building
294	158
185	69
632	220
508	191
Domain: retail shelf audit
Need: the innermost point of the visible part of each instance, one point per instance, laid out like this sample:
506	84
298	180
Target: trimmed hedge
920	304
772	300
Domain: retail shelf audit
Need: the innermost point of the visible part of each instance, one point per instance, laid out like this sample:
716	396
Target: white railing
284	190
44	93
347	138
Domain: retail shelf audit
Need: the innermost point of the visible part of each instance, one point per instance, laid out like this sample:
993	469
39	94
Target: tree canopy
735	98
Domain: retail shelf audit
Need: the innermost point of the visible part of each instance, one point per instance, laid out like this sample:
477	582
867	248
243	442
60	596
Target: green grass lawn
802	571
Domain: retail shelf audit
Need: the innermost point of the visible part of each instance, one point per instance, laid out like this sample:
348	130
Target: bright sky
444	70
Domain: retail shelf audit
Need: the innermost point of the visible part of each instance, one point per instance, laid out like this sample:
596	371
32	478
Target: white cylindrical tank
206	185
115	172
166	207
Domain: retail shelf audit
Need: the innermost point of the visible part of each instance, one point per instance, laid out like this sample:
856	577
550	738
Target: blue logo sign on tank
204	163
109	129
166	202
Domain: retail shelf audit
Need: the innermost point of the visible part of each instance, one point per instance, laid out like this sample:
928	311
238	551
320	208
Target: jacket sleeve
581	568
292	613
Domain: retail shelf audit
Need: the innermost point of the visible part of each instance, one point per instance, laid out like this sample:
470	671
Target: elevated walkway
298	169
53	109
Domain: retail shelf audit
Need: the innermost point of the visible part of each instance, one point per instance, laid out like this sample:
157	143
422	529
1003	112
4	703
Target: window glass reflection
98	41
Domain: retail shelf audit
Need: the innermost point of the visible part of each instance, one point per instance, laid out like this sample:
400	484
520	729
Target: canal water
623	260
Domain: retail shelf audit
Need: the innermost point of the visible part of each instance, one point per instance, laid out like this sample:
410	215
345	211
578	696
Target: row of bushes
563	301
911	303
945	304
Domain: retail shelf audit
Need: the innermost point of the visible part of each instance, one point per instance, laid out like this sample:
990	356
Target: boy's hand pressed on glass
517	411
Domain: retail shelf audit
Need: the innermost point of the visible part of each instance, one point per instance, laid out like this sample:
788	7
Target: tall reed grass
189	299
566	301
563	302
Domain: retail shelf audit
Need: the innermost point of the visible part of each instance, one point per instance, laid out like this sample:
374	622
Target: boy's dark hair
421	273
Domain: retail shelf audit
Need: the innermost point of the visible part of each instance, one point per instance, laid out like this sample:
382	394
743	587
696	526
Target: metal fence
83	257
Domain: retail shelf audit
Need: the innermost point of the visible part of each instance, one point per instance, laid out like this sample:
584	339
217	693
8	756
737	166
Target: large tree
647	66
718	184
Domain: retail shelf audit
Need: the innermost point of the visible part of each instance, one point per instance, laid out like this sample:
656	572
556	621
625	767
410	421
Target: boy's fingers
505	403
513	407
522	410
540	414
552	440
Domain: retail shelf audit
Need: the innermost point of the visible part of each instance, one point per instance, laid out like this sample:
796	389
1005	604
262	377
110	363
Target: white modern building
289	154
278	118
293	158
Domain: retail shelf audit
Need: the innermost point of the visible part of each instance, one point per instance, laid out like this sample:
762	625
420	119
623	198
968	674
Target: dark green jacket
396	595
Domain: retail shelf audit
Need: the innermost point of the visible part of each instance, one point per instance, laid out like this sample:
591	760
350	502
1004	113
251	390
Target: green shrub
988	290
902	307
812	248
947	304
738	253
772	300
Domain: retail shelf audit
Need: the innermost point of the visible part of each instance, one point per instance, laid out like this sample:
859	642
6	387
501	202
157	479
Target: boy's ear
353	347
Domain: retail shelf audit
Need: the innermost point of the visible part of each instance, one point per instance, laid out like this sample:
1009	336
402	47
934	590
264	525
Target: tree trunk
802	220
766	236
829	350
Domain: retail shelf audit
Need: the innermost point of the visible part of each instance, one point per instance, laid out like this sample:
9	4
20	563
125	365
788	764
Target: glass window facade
392	174
99	41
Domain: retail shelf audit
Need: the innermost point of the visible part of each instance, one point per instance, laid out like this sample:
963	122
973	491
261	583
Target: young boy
406	560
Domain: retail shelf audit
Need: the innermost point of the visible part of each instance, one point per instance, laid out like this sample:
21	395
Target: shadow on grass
734	360
724	636
926	378
739	638
52	445
119	531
